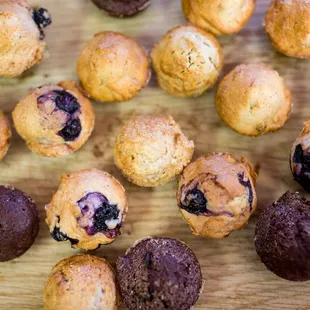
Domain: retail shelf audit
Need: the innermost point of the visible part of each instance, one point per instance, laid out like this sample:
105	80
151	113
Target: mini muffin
151	150
88	209
81	282
159	273
19	223
287	24
187	61
282	237
300	158
253	100
54	120
21	36
216	194
113	67
122	8
219	16
5	135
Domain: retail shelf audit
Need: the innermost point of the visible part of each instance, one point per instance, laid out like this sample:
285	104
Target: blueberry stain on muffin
66	102
72	130
42	18
195	202
247	184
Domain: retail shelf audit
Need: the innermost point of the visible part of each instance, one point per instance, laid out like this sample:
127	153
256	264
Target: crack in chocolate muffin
42	18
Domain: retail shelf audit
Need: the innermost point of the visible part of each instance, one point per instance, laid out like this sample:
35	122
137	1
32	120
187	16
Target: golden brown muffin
253	100
81	282
219	16
113	67
55	120
151	150
287	24
88	209
216	194
21	36
187	61
5	135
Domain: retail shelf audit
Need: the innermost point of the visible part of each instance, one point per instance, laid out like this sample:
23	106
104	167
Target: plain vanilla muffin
5	135
253	100
151	150
216	194
287	24
54	120
81	282
21	36
113	67
187	61
219	16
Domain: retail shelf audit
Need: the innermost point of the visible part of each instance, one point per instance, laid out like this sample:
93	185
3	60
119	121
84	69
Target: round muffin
216	194
287	24
282	237
122	8
151	150
54	120
300	158
19	223
5	135
113	67
159	273
253	100
21	36
219	16
187	61
81	282
88	209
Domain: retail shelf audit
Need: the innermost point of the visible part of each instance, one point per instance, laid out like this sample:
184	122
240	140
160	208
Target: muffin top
5	135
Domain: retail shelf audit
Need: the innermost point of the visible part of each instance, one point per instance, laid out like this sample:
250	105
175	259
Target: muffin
5	135
54	120
216	194
219	16
19	223
88	209
81	282
282	237
287	24
151	150
113	67
21	36
122	8
300	158
159	273
187	61
253	100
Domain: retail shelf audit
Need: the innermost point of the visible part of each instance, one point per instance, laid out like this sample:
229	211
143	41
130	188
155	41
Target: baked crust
5	135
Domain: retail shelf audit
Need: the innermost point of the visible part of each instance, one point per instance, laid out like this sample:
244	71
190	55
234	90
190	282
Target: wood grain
234	277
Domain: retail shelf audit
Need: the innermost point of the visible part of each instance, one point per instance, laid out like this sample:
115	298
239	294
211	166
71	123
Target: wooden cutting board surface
234	277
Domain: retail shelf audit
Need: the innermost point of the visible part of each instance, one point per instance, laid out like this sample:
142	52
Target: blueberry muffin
187	61
159	273
253	100
88	209
287	24
21	36
5	135
282	237
19	223
122	8
216	194
151	150
219	16
54	120
113	67
81	282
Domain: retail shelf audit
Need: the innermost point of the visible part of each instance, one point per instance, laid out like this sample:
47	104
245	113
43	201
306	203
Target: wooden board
234	277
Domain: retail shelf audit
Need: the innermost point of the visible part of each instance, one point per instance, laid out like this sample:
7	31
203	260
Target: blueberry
195	202
42	18
72	130
105	213
66	102
60	236
247	184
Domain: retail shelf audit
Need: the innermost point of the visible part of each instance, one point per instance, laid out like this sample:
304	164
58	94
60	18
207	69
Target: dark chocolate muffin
159	273
19	223
122	8
282	237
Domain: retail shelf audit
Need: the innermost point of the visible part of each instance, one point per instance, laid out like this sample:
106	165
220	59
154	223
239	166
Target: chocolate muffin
159	273
122	8
19	223
282	237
